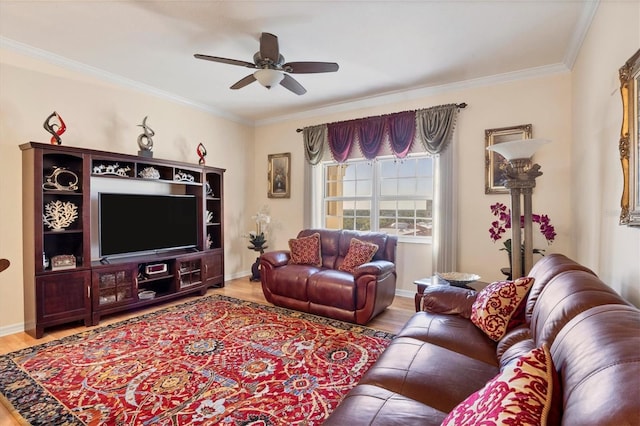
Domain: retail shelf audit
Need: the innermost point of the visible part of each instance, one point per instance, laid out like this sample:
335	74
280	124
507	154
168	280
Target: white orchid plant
258	238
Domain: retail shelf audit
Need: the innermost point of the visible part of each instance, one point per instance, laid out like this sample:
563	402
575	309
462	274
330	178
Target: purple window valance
402	130
371	133
340	138
433	127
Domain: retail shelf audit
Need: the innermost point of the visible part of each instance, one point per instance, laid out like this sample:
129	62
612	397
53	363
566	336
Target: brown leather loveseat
440	357
324	289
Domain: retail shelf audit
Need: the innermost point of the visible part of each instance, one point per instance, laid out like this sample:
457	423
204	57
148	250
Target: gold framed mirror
629	144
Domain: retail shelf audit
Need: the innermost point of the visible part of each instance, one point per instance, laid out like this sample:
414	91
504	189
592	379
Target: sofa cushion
427	373
598	359
374	405
520	394
360	252
291	281
451	332
497	303
544	270
566	295
332	288
448	299
514	344
306	250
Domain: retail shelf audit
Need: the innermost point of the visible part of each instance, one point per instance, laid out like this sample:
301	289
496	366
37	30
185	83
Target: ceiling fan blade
269	47
291	84
225	60
245	81
310	67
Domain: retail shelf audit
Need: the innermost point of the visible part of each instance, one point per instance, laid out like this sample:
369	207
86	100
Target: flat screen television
138	223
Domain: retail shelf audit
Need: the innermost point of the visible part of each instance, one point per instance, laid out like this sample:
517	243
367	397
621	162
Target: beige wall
613	251
102	116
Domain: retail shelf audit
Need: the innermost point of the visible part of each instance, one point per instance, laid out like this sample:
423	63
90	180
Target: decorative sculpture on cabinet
56	129
59	215
202	152
144	140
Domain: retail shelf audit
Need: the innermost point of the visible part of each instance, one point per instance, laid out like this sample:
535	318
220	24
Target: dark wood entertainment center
62	282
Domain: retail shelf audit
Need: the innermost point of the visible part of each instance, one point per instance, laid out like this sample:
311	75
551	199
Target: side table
255	268
423	283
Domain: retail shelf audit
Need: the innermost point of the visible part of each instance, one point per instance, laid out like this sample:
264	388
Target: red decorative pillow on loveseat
360	252
521	394
306	250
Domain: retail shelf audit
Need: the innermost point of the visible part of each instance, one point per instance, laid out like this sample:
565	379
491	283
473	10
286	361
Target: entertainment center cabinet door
60	298
113	289
113	286
214	268
190	273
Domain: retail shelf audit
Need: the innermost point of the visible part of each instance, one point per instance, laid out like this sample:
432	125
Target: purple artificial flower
503	213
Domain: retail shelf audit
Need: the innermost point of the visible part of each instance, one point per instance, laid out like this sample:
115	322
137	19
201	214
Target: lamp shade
268	77
514	150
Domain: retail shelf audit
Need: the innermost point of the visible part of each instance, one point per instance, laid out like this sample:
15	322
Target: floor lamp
521	176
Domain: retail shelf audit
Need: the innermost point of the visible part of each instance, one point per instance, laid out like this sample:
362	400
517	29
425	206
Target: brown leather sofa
325	290
439	358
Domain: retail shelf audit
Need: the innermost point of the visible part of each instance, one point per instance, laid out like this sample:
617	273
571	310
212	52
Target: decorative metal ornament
111	169
145	141
202	152
149	173
61	179
181	176
56	129
59	215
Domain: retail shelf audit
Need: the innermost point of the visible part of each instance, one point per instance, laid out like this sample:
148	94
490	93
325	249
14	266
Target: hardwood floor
391	320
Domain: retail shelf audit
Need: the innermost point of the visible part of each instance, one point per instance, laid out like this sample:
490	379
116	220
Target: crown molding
79	67
416	93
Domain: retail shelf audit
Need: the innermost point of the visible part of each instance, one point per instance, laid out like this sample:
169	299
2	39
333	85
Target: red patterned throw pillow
306	250
359	252
497	303
520	395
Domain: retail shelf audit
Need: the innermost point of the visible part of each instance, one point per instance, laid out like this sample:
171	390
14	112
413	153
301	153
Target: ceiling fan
271	67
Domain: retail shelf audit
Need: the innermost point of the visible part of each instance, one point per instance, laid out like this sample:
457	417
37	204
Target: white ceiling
385	49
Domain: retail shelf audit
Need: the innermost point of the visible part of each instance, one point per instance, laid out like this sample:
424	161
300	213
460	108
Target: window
388	195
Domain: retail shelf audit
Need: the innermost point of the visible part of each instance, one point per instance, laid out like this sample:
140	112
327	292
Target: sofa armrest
380	268
276	258
449	300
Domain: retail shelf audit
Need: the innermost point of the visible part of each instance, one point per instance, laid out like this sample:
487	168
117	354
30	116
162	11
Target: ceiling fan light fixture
268	77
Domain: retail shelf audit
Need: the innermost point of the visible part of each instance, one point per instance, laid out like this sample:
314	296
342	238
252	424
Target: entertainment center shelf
143	280
64	282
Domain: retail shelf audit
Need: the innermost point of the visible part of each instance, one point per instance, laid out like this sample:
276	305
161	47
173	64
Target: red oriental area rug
215	360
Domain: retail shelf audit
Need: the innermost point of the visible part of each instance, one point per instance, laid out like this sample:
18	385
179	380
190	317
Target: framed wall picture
279	175
494	175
